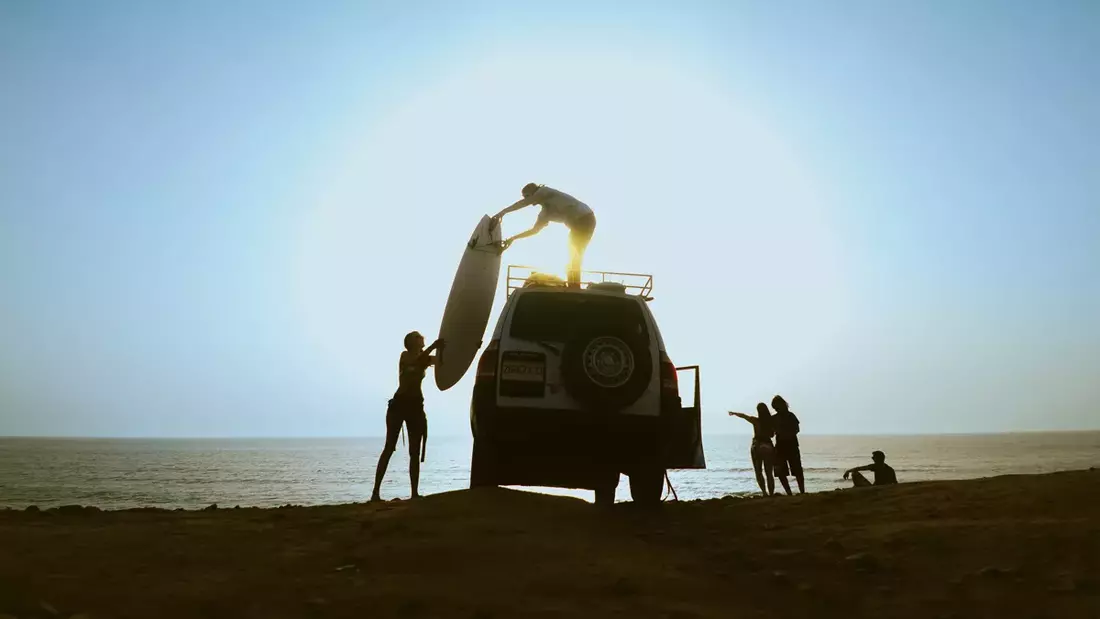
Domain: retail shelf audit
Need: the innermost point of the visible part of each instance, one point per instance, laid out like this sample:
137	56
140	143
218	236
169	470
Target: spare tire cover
606	366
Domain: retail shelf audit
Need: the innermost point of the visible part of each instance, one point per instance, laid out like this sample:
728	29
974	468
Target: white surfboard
469	305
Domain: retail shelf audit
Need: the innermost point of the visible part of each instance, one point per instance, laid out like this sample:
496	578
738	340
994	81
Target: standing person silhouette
407	407
762	451
563	208
788	458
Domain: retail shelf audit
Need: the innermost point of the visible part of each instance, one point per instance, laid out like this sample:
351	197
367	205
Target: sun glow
685	182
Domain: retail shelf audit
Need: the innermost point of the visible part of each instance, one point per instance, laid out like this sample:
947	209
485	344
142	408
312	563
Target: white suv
576	387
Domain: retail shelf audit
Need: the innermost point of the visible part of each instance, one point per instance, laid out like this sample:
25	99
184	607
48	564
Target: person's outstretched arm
540	223
865	467
515	206
747	418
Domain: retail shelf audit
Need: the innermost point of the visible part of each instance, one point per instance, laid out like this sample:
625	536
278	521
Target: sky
220	219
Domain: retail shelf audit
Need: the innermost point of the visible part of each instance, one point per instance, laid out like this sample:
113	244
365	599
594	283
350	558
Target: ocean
194	473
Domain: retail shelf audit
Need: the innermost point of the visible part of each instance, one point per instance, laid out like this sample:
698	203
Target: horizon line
452	436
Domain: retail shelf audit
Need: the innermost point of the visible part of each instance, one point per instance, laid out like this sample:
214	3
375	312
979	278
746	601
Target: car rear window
550	316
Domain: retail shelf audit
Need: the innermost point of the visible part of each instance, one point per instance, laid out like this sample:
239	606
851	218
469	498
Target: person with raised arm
557	206
762	451
407	408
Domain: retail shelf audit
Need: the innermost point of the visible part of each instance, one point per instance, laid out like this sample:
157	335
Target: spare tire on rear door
606	366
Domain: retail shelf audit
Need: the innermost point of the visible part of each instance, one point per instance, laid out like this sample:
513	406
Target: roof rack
638	284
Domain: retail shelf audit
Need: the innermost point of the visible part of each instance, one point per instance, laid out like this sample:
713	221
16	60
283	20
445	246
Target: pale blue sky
221	220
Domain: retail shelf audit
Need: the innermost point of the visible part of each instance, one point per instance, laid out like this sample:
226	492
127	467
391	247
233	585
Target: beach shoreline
196	473
1020	545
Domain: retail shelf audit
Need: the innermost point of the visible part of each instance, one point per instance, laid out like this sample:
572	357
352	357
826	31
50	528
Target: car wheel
605	489
647	485
605	496
482	467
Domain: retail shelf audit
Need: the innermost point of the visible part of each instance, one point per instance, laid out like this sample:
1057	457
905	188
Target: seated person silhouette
884	473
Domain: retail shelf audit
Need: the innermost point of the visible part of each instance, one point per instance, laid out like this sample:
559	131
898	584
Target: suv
576	387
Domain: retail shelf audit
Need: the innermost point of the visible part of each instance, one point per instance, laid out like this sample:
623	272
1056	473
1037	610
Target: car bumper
562	448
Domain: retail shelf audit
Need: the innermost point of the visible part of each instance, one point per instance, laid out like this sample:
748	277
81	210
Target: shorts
762	451
410	413
788	460
581	230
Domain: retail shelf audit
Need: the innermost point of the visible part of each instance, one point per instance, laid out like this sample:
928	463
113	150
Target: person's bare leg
380	472
859	481
801	483
573	272
786	486
414	469
770	477
578	243
757	465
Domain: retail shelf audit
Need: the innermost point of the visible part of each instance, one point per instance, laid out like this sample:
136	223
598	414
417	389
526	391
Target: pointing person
558	207
762	451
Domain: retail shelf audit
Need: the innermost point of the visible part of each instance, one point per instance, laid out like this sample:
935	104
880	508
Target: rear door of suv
534	336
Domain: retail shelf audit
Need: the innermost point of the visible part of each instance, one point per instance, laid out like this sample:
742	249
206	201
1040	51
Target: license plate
523	371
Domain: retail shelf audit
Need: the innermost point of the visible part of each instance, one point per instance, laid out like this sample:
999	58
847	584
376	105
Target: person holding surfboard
407	408
562	208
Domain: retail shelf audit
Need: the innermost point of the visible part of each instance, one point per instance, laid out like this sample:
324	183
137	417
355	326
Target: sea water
194	473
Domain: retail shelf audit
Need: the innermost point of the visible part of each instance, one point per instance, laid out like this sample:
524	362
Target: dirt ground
1017	546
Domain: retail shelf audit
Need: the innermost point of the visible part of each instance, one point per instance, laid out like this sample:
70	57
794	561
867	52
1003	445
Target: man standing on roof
562	208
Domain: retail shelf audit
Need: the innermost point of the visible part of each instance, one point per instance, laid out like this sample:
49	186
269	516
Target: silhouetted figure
563	208
884	473
407	407
762	450
788	459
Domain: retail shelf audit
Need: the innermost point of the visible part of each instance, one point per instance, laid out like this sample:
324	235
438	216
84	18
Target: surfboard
469	304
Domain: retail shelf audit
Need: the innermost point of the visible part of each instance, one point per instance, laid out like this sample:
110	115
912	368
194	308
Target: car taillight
487	365
670	385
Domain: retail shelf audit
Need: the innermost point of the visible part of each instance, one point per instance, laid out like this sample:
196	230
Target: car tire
482	465
646	486
605	496
607	482
580	368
